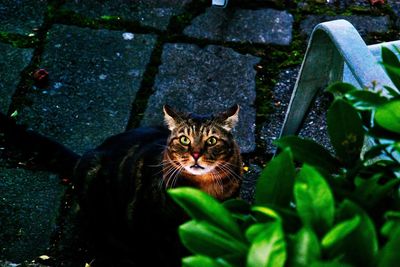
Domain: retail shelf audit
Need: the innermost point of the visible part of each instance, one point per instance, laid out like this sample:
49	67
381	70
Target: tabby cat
121	184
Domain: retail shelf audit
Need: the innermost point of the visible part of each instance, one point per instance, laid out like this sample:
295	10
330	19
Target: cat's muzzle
197	166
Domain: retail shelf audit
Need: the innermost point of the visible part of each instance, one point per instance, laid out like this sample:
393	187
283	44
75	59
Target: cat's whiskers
175	176
230	167
229	171
168	174
162	163
166	165
175	180
217	177
168	168
172	174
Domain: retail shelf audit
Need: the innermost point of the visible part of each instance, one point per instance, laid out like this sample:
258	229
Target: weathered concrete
29	205
375	24
206	80
13	61
153	13
23	16
94	76
272	27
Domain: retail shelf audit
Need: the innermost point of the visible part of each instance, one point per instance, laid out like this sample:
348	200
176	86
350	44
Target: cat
121	185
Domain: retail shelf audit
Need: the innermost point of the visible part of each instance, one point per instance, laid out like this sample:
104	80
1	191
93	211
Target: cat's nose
196	155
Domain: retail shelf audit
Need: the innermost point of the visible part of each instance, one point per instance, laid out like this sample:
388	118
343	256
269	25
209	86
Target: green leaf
365	100
390	255
203	261
14	114
340	88
239	209
314	200
393	72
379	132
371	191
391	64
396	147
275	184
389	57
253	231
206	239
201	206
388	116
268	249
345	131
237	206
374	151
266	213
329	264
340	231
392	223
310	152
361	241
304	249
107	17
391	91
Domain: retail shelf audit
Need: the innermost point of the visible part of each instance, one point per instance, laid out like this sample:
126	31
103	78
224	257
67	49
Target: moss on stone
19	41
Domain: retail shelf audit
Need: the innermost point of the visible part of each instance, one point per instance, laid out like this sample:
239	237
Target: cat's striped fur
121	184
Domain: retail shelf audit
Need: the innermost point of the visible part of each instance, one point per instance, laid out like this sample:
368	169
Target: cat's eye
184	140
211	141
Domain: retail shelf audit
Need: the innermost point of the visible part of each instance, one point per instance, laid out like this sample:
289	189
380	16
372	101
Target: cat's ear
229	118
171	117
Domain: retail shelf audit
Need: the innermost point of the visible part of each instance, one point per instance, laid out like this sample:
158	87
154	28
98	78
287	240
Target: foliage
334	210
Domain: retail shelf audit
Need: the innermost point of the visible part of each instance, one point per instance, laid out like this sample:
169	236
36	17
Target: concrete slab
375	24
13	61
21	16
94	77
153	13
205	80
29	205
264	26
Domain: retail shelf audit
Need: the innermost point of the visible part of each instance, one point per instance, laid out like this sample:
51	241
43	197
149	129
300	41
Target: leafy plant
337	209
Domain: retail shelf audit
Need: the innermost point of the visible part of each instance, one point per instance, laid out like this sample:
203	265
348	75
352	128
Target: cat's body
121	184
125	205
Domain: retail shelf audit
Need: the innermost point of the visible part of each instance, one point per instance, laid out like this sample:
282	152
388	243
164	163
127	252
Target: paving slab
395	5
205	80
264	26
13	61
314	126
22	16
341	4
153	13
94	76
363	24
29	205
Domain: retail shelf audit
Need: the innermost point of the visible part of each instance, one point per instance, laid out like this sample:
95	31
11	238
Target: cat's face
200	145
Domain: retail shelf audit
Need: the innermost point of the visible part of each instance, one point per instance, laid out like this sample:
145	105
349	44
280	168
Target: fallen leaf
377	2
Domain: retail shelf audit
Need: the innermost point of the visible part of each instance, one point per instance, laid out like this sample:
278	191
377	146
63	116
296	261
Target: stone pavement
113	64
